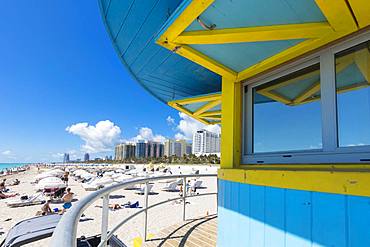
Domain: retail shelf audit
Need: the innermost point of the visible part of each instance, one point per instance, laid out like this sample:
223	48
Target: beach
158	218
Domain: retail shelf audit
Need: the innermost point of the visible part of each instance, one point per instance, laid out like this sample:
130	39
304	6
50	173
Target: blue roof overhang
181	49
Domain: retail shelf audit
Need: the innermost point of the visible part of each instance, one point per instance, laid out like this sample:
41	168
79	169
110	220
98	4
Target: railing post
184	191
104	221
146	192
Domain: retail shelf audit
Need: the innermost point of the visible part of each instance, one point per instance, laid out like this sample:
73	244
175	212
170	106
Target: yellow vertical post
231	123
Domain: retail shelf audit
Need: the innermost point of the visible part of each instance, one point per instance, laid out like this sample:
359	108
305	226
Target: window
315	110
352	68
287	112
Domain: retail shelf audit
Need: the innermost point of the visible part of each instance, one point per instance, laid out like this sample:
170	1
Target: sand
158	218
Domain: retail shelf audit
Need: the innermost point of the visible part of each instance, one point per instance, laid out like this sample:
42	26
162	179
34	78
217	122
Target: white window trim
331	152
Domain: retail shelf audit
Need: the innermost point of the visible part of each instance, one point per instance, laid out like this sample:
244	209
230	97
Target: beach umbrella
50	183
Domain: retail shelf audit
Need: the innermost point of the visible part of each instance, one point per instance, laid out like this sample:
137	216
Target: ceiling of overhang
181	49
133	26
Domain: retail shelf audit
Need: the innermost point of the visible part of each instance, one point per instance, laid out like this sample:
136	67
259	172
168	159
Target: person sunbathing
4	196
45	209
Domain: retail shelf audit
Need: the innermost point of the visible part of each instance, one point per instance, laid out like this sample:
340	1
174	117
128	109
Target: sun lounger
35	199
134	205
172	187
141	191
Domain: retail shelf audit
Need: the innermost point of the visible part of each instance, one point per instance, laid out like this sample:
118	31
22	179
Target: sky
63	88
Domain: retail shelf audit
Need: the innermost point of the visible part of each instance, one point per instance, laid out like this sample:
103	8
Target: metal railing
66	230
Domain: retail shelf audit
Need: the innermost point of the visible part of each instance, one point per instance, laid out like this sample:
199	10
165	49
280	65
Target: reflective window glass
287	113
353	95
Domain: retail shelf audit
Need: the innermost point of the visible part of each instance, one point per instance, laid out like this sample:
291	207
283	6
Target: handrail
66	230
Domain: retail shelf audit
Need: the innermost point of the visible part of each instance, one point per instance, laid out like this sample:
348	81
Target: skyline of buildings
204	142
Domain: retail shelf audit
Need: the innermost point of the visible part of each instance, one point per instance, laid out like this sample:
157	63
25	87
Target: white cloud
57	155
98	138
170	120
187	126
6	152
146	134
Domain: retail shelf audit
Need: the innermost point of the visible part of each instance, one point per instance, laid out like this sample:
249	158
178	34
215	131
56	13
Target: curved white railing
66	230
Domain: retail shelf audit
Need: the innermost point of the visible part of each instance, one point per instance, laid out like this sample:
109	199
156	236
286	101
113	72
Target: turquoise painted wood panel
251	215
358	221
243	222
328	220
274	214
133	26
257	215
298	213
251	13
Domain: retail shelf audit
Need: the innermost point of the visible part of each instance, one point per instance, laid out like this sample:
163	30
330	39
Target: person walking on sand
67	199
65	177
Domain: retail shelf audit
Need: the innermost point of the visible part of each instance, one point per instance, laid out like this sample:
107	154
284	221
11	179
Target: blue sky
58	68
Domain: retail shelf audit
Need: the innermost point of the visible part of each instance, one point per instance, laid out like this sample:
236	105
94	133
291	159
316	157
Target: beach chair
141	191
36	199
197	184
134	205
172	187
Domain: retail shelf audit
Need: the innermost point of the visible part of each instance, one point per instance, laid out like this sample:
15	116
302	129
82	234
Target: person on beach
2	185
65	177
45	209
67	199
4	196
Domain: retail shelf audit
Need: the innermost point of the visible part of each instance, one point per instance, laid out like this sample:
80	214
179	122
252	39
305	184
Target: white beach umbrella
50	183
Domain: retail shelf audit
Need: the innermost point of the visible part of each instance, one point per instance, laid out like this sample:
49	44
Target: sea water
4	166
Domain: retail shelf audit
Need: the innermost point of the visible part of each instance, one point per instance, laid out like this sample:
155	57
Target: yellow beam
201	59
210	113
276	97
255	34
362	60
351	182
212	118
361	9
188	15
231	123
192	11
187	112
308	93
192	100
207	107
288	54
338	14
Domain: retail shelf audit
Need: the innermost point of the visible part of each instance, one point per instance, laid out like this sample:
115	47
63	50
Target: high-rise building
124	151
118	152
128	151
189	149
156	149
176	148
86	157
142	149
66	158
206	142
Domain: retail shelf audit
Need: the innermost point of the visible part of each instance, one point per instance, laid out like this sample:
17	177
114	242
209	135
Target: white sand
159	218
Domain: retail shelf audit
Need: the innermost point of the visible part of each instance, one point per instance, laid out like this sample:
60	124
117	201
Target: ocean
4	166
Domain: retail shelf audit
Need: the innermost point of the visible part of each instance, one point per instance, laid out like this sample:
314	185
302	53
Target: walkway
194	233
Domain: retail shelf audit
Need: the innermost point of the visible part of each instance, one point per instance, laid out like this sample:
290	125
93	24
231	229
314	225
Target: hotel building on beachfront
177	148
124	151
206	142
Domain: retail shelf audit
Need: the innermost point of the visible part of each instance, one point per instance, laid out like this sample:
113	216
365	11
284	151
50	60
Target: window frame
330	151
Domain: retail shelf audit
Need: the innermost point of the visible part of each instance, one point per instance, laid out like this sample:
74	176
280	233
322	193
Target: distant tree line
186	159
